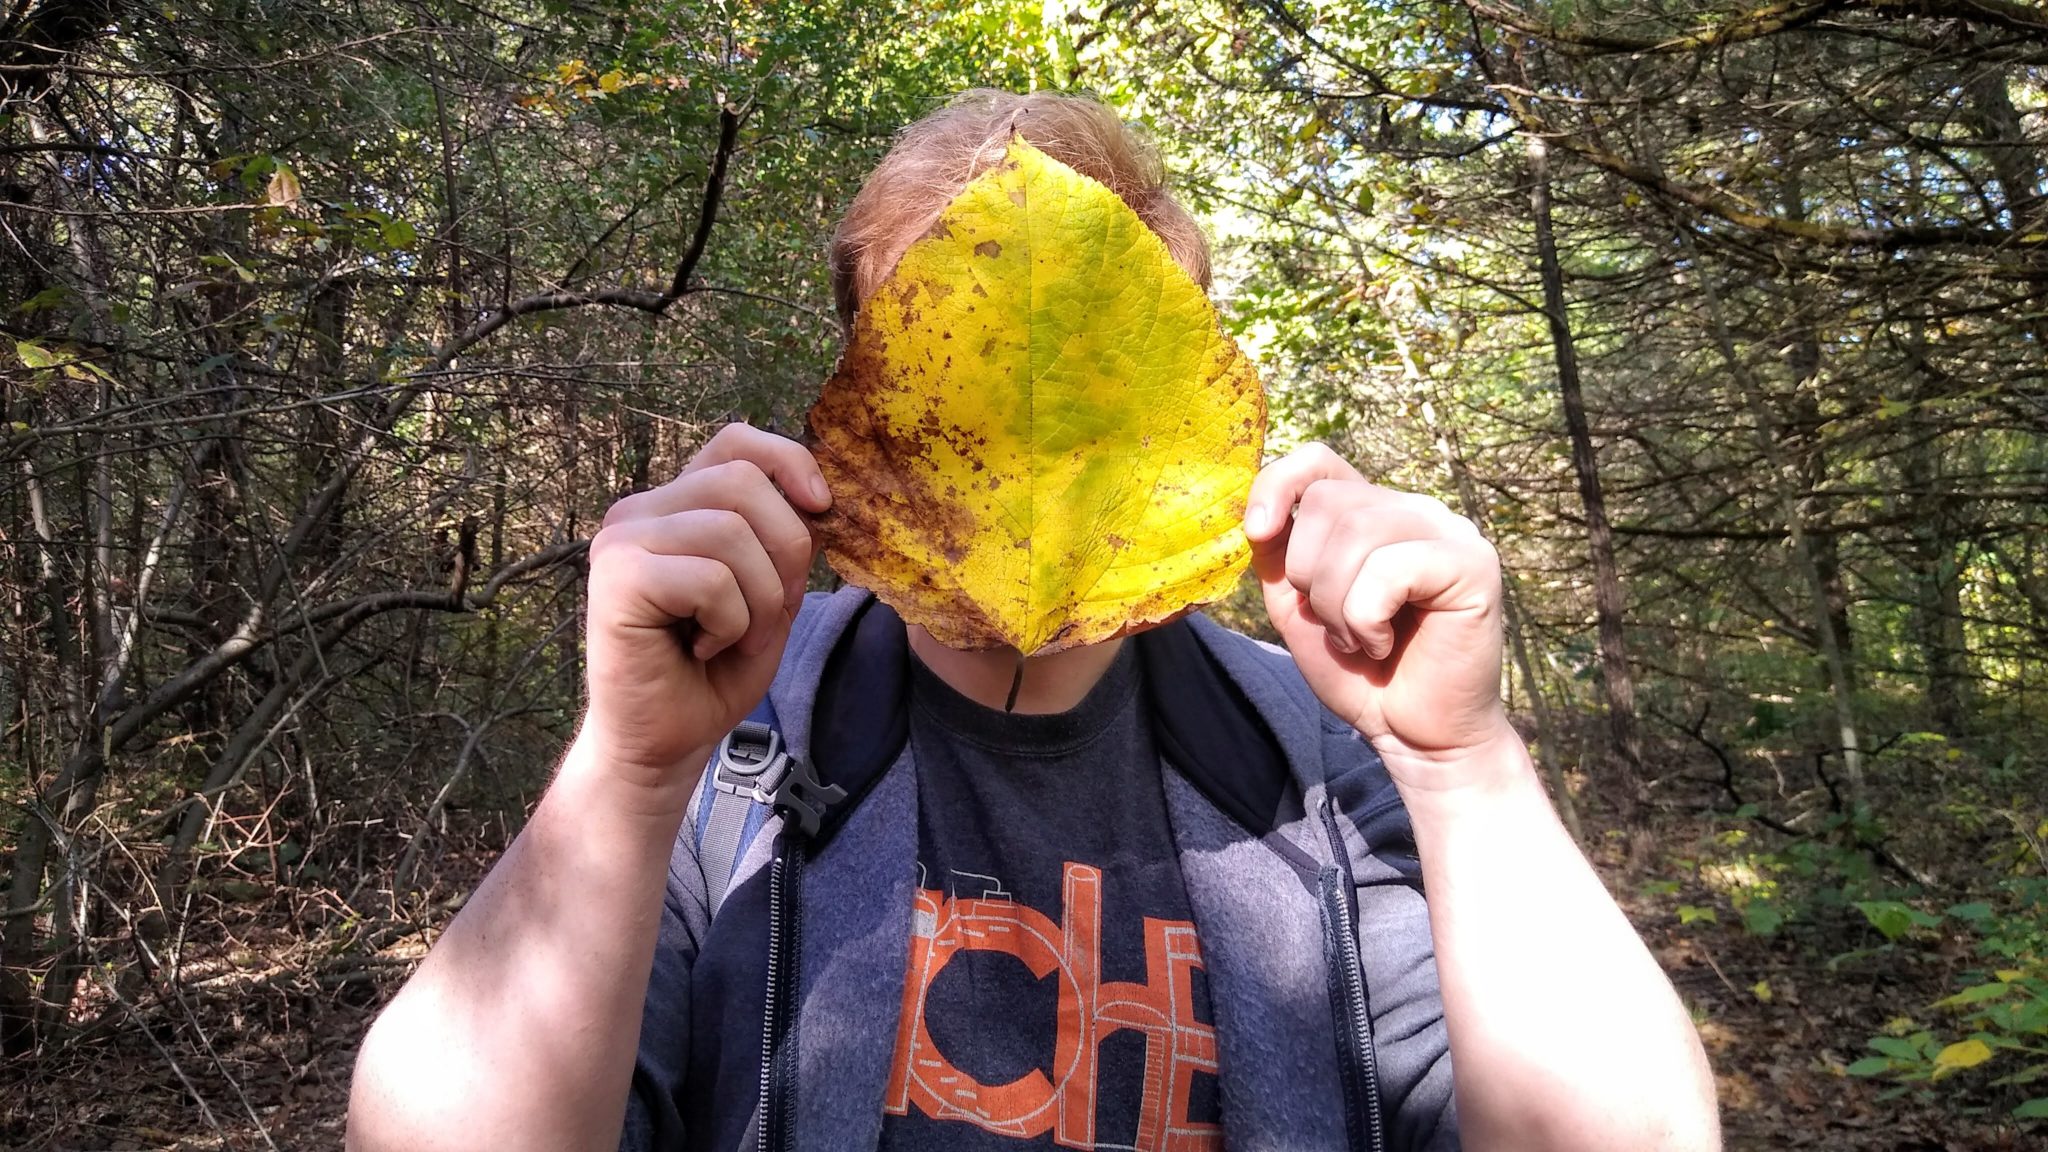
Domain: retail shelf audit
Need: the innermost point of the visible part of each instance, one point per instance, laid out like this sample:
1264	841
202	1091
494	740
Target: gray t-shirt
1056	995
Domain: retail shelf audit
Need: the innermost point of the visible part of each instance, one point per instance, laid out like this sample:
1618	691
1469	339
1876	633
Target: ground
251	1048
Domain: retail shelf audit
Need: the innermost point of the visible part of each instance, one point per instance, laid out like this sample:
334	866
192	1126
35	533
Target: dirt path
264	1024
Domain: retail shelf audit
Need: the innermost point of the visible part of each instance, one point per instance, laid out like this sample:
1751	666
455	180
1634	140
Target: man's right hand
518	1029
693	586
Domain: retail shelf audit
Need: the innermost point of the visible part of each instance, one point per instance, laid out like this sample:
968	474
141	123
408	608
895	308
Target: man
1057	833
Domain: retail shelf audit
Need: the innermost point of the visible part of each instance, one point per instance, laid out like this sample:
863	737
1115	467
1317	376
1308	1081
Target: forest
331	330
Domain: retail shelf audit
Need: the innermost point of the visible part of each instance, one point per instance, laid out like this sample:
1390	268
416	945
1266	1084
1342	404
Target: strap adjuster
754	764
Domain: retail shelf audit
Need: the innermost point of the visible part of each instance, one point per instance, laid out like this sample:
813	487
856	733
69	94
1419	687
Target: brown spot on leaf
988	248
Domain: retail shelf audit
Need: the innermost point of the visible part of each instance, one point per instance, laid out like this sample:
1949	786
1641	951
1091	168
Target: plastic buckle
751	760
754	763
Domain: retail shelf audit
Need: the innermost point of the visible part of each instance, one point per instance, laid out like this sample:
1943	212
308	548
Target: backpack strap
859	725
1202	718
725	820
1221	742
751	773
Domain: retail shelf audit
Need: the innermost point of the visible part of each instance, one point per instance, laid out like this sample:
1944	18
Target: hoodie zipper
1358	1063
777	1106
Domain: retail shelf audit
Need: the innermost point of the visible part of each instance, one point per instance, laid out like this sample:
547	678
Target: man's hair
936	157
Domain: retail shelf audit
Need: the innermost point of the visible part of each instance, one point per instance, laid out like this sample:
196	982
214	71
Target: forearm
1564	1032
519	1029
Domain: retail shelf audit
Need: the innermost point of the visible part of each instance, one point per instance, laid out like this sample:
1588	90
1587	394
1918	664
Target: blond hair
934	158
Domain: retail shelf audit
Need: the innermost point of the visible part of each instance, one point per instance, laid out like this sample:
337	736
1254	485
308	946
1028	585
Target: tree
331	346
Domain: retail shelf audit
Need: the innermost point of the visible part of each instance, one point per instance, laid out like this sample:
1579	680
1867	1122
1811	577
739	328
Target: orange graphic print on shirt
1062	1099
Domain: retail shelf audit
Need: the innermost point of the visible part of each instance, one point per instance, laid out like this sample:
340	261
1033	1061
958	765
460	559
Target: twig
471	744
1697	730
176	1069
221	1067
1878	852
1725	982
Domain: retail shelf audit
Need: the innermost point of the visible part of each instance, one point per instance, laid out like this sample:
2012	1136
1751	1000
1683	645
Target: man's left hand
1390	604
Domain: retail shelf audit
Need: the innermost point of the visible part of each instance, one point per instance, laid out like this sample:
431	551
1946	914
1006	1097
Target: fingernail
1255	519
820	494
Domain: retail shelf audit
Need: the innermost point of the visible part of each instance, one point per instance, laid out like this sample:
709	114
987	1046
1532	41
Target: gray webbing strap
745	772
721	845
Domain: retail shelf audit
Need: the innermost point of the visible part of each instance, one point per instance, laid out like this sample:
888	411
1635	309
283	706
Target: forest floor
252	1047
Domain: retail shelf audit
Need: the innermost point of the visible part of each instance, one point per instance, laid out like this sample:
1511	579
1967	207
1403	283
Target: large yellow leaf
1038	437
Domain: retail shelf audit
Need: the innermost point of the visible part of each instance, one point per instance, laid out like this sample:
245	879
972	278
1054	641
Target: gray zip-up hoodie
1272	897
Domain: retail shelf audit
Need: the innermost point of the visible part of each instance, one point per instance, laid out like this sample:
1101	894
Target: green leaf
1887	916
399	233
2035	1109
1896	1048
256	170
35	355
57	296
1688	913
1871	1066
1977	910
1762	919
1975	995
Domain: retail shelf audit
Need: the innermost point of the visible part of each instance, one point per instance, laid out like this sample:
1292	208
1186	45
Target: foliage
333	345
1998	1018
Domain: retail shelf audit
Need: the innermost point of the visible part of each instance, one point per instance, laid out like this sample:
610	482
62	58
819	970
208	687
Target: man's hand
1563	1031
1391	606
518	1030
692	589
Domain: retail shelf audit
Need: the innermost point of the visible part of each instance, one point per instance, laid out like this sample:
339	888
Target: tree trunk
1543	749
1616	676
34	862
1764	426
1549	735
1936	619
1803	359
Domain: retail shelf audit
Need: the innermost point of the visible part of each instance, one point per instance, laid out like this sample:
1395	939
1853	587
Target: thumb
1285	605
